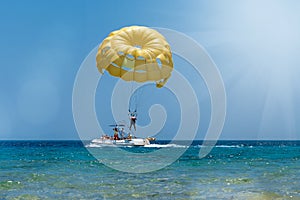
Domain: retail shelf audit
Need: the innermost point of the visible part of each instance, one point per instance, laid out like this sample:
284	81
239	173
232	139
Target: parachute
136	53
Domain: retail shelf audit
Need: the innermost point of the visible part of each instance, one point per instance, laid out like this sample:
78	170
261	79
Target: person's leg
130	124
134	126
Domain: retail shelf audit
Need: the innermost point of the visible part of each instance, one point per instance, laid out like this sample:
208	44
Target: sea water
232	170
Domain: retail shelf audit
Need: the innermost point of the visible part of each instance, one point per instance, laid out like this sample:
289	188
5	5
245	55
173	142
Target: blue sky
255	45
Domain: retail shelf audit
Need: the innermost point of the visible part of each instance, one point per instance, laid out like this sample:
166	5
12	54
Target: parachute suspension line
133	102
136	99
138	95
132	91
133	95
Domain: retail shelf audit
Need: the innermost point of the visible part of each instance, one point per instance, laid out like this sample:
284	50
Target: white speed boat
108	141
119	138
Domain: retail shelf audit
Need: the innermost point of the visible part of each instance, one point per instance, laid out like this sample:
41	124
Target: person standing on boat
116	135
132	116
122	133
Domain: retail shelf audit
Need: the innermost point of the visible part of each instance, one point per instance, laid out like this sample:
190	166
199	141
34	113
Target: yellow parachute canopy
136	53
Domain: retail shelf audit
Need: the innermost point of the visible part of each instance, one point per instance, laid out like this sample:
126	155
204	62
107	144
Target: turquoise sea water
232	170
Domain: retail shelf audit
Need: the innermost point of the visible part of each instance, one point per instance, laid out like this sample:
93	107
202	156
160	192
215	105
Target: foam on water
220	146
93	145
165	146
228	146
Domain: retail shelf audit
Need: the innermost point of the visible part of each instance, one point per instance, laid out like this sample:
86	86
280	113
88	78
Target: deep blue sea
232	170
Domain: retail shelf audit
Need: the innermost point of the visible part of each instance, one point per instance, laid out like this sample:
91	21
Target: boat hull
125	142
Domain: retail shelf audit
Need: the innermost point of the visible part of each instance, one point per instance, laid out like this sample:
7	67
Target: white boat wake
94	145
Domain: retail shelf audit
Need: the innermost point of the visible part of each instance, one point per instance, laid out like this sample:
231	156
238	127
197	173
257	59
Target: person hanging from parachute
133	118
136	54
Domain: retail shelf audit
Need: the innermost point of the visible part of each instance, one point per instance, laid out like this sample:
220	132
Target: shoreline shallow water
232	170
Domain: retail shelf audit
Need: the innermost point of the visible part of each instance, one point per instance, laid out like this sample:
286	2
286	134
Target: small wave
165	146
198	146
92	145
228	146
220	146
